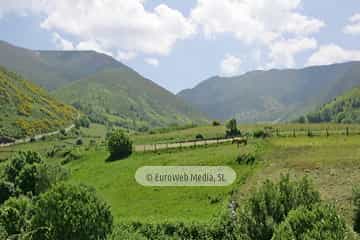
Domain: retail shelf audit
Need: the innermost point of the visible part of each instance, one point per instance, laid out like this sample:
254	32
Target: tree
321	222
231	127
119	145
270	205
70	212
302	119
216	123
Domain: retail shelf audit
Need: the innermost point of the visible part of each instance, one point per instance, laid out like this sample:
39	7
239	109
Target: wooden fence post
294	133
327	132
347	131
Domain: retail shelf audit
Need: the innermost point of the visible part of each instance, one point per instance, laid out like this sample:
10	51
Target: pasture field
219	131
130	201
332	163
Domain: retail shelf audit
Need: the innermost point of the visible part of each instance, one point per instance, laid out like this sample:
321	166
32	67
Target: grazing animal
240	141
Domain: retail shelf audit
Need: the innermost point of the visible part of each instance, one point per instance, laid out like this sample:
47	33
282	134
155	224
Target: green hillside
124	98
98	85
342	109
27	110
54	69
274	95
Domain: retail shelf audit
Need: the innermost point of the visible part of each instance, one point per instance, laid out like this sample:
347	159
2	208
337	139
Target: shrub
79	142
246	158
356	202
321	222
72	213
14	215
270	205
63	131
82	122
17	163
7	189
29	174
199	137
216	123
260	134
119	145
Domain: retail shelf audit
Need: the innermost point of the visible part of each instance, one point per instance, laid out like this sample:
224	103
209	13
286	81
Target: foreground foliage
320	222
71	212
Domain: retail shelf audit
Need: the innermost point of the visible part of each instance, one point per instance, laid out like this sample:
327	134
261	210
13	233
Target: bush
7	189
321	222
79	142
270	205
82	122
63	132
260	134
14	215
246	158
119	145
216	123
72	213
17	163
199	137
356	202
29	174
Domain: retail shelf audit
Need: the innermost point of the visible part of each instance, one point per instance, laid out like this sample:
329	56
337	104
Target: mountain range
273	95
100	86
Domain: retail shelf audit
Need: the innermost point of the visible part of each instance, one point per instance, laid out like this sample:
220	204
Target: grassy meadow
130	201
332	162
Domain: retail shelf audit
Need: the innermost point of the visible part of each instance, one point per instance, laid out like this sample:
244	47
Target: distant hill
124	98
274	95
342	109
53	69
97	84
27	110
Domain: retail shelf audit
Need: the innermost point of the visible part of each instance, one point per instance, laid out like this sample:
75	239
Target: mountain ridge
66	73
266	96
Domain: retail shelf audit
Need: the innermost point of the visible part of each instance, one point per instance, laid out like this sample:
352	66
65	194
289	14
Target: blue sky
179	43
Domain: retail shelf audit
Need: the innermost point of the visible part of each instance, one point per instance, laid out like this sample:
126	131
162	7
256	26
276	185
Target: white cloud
152	61
110	25
353	26
230	65
254	20
125	56
62	43
282	52
277	26
332	53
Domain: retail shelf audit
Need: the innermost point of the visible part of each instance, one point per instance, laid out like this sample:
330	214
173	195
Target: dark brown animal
240	141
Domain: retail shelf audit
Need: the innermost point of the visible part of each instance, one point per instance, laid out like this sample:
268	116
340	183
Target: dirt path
39	136
162	146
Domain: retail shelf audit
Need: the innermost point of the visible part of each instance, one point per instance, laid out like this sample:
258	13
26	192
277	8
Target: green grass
333	164
130	201
219	131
